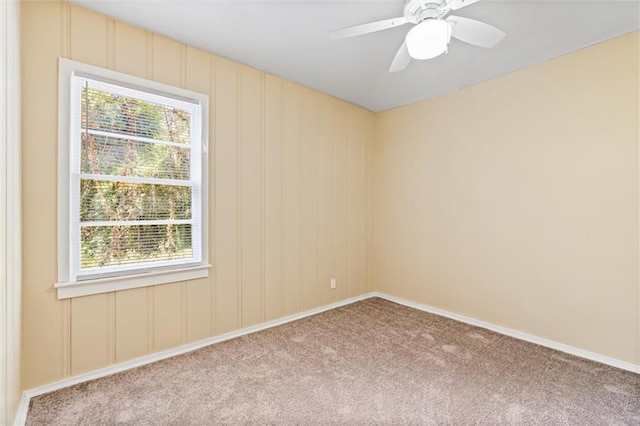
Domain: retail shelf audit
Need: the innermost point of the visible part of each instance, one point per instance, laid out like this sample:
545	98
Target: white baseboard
21	416
23	408
112	369
634	368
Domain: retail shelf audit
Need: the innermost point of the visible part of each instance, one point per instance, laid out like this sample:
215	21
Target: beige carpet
373	362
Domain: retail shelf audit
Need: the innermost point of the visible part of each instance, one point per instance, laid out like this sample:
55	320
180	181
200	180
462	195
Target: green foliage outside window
116	142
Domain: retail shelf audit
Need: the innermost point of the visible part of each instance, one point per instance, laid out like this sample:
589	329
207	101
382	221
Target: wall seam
110	42
363	206
239	137
283	263
301	205
263	85
213	279
349	171
334	181
319	164
66	47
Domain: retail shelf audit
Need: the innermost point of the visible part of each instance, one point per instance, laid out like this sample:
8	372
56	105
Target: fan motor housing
416	11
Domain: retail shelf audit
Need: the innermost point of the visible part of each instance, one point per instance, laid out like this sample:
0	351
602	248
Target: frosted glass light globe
428	39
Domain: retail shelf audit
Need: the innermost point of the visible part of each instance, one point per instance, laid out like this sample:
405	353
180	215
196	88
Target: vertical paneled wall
289	187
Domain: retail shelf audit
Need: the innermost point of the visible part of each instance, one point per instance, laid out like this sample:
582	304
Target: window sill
67	290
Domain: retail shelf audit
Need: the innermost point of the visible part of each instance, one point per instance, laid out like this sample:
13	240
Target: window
132	182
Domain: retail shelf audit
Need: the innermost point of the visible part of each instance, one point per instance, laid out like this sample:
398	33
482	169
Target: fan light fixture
428	39
433	29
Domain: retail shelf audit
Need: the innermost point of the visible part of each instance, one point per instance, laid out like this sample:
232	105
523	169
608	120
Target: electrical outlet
333	283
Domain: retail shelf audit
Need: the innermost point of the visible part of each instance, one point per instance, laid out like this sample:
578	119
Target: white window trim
67	288
103	285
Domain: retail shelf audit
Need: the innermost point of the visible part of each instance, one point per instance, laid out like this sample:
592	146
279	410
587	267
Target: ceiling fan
432	31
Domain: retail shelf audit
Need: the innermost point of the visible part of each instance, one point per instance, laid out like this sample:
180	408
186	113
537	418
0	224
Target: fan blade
459	4
401	60
368	28
475	32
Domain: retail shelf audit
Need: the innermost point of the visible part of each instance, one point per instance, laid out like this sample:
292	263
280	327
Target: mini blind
136	190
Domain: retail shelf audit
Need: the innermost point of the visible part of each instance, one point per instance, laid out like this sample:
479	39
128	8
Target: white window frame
70	282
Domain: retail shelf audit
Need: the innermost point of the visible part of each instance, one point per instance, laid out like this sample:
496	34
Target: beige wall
515	201
289	176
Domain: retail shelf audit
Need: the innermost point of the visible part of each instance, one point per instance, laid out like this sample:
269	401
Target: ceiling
289	38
